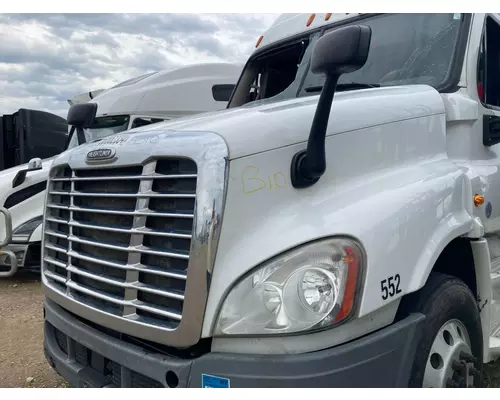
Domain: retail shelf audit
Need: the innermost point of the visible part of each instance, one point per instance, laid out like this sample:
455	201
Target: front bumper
87	357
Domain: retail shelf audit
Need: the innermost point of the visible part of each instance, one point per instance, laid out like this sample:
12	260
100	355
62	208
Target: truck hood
266	125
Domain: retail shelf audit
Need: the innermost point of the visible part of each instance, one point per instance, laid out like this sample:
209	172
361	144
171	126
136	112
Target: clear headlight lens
308	288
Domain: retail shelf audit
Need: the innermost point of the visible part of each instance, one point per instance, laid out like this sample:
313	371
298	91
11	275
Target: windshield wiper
344	86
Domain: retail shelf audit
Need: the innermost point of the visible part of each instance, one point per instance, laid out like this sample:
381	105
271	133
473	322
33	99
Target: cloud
47	58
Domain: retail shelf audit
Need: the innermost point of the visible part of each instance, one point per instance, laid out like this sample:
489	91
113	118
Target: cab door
483	141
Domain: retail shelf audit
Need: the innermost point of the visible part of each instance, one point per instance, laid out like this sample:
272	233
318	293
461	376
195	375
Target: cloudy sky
45	59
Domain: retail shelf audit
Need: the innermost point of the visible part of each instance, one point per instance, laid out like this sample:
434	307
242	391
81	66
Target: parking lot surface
22	363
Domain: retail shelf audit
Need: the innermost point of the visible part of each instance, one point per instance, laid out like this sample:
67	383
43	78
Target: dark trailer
27	134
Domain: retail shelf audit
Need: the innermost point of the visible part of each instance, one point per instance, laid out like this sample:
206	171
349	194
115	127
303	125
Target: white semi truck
24	135
140	101
337	225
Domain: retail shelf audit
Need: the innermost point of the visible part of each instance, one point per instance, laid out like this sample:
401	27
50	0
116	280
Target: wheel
450	348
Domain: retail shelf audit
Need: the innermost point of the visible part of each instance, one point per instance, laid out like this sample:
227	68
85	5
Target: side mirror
35	164
81	116
341	51
222	92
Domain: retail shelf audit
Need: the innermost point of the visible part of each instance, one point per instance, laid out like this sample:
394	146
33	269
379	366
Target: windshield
101	128
405	49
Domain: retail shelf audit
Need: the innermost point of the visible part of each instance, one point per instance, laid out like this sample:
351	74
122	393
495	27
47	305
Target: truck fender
481	255
36	236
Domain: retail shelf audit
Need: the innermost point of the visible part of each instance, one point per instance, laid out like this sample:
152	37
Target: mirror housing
222	92
491	130
339	52
79	117
82	115
35	164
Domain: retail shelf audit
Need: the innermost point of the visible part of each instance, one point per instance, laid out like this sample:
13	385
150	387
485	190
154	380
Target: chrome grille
118	239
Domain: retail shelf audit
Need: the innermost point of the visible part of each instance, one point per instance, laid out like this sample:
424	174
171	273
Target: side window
274	73
142	121
488	71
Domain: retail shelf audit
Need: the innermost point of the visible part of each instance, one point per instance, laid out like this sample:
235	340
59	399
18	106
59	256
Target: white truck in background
337	225
25	136
139	101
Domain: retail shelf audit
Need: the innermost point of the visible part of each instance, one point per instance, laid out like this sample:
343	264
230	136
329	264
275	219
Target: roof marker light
258	41
327	16
311	19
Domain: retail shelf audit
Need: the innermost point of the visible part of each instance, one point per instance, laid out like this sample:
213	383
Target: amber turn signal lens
310	20
478	200
350	287
258	41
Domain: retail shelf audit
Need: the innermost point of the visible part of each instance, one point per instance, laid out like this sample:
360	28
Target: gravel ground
22	363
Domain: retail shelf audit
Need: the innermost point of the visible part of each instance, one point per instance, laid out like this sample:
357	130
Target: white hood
259	127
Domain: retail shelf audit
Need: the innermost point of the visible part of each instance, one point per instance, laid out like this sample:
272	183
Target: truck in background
337	225
140	101
25	137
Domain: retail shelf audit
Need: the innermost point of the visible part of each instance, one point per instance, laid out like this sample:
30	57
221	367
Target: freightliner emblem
100	154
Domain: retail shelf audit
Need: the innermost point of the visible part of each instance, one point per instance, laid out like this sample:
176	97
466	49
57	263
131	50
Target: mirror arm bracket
310	164
19	178
342	51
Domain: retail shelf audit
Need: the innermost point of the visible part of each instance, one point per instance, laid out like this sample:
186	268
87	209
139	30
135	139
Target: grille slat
138	268
114	299
56	234
128	195
116	212
136	249
57	220
124	285
54	276
55	247
54	262
120	178
145	231
122	237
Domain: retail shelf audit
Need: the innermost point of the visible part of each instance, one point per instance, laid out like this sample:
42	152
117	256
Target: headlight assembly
308	288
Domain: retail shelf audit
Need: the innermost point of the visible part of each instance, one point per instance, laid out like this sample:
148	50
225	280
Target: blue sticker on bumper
209	381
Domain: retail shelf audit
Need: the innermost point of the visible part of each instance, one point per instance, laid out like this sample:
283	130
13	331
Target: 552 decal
390	286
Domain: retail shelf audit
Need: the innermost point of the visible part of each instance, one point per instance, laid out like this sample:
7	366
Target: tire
446	302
